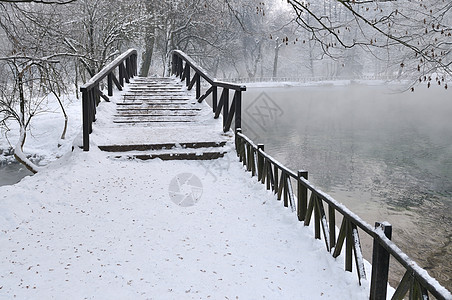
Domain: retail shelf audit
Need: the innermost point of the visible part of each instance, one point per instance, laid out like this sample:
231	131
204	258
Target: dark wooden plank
340	238
358	253
403	287
207	93
307	219
324	224
178	156
302	196
380	265
348	248
332	224
147	147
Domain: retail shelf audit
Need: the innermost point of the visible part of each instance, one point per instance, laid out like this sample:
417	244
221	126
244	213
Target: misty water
386	155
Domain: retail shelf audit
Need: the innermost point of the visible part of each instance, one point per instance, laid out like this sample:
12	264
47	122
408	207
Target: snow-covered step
157	119
156	113
160	118
158	99
162	146
156	89
172	156
184	151
149	109
157	105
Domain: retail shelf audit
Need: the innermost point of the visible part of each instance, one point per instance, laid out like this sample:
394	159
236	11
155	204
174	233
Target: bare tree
28	58
417	33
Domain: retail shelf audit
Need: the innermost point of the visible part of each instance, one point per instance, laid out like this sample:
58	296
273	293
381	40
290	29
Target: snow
204	128
44	136
89	226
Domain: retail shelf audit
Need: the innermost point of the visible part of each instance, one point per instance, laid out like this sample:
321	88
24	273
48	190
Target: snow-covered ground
92	227
88	226
45	132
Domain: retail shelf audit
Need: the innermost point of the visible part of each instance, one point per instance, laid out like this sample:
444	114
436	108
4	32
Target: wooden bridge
165	118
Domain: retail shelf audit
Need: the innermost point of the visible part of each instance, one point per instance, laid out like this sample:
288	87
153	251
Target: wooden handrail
416	280
91	93
182	65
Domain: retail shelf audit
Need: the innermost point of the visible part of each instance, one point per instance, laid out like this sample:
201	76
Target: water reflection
386	155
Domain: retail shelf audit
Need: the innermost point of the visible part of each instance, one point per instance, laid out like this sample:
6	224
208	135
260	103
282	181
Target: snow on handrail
203	73
107	69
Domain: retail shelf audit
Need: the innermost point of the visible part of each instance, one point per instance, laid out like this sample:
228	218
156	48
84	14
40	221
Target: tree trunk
167	53
19	154
275	61
147	56
149	41
18	150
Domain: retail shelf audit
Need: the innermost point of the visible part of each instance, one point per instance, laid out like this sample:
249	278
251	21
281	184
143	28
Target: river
385	154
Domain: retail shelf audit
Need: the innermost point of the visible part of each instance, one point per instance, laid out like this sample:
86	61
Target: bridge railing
309	204
183	65
125	66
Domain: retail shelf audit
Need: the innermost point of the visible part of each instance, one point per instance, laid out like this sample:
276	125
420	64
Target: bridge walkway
157	117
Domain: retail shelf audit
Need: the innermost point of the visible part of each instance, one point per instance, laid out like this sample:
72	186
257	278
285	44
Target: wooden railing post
260	162
302	196
86	119
198	86
238	142
214	98
174	64
238	109
225	94
187	75
96	94
275	175
380	265
121	74
110	84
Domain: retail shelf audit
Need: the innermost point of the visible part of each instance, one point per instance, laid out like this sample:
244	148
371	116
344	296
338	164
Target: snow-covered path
92	227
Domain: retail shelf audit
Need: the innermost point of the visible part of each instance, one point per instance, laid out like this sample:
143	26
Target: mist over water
385	154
